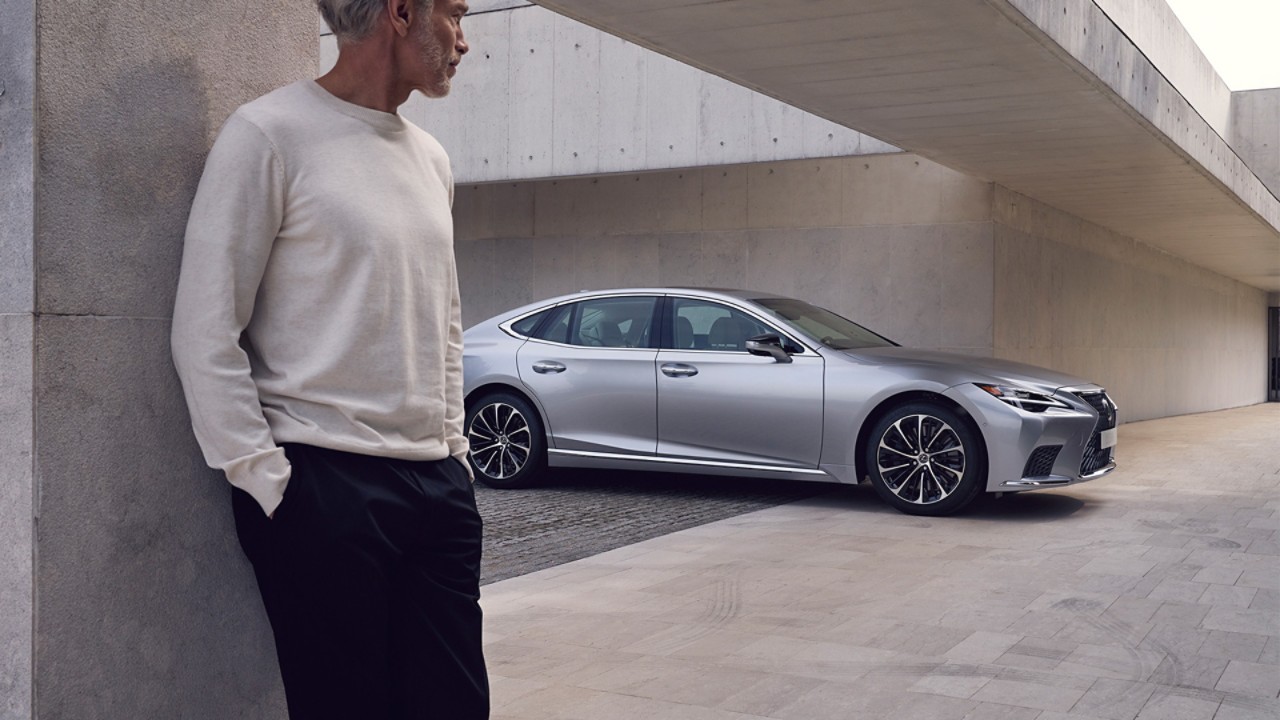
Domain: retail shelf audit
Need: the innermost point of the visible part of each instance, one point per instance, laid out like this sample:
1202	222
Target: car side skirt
653	463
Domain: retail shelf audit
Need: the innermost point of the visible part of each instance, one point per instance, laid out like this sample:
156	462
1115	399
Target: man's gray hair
353	20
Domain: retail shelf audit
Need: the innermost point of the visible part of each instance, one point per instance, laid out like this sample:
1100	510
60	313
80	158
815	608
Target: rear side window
618	322
525	327
556	328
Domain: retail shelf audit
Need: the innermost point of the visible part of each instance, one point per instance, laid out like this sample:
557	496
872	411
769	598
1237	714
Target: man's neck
361	77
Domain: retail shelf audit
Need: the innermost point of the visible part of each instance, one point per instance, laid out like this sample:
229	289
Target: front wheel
508	446
925	459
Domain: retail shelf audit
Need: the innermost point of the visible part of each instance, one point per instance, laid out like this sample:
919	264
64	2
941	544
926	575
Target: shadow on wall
145	604
125	163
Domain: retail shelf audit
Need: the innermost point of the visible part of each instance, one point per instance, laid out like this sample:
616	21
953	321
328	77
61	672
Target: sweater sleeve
235	217
455	411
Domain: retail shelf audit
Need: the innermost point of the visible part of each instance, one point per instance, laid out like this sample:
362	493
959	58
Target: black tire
941	477
508	445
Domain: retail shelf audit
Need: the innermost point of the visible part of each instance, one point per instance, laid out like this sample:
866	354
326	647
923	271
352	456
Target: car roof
735	293
706	292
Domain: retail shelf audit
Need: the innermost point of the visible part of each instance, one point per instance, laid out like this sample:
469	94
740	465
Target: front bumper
1056	447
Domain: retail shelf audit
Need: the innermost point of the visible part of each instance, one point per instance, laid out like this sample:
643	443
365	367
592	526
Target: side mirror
768	345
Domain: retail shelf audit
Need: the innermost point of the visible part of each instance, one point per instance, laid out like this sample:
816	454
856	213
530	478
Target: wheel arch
482	391
888	404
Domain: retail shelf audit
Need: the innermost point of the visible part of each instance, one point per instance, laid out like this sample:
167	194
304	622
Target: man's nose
461	45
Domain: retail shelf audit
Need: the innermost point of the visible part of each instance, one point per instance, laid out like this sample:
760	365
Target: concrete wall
541	95
1164	336
17	298
893	241
145	607
927	256
1255	133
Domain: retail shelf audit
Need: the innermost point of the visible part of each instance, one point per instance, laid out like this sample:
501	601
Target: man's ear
401	15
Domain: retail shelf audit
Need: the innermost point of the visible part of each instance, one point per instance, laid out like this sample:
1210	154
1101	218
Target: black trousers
370	574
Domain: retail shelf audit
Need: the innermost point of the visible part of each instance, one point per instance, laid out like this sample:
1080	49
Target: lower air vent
1040	464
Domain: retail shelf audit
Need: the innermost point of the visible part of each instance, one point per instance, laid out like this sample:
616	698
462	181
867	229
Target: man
318	337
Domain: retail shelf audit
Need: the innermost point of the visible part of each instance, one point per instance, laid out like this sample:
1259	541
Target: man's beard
434	58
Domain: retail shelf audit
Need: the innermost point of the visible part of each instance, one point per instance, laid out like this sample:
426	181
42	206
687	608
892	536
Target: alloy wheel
921	459
500	440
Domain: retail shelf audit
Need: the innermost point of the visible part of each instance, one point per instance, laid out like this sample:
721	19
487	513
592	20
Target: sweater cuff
264	475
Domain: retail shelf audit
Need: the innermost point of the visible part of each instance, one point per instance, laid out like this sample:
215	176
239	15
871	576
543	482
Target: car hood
953	368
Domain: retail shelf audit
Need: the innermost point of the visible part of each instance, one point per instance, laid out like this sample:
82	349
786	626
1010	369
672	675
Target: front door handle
679	370
548	366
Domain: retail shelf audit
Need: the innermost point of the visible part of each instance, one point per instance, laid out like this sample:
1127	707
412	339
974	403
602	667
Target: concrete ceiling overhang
1048	98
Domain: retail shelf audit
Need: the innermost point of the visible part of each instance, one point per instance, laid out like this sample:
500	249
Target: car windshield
829	328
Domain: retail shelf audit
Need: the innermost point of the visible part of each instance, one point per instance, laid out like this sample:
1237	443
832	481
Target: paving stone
1170	706
1115	699
1247	678
1233	646
577	514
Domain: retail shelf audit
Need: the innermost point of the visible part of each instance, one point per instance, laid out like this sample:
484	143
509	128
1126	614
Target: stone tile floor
1152	593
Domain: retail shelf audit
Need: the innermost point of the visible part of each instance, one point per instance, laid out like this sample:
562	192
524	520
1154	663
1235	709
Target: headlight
1024	399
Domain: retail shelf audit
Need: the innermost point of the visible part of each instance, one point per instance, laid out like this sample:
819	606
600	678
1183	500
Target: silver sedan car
733	382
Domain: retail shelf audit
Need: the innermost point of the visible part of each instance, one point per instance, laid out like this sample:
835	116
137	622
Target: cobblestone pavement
578	513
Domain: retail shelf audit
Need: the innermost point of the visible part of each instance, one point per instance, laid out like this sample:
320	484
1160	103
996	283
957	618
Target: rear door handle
679	370
548	366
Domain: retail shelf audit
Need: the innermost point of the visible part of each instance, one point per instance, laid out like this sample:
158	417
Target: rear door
717	402
591	368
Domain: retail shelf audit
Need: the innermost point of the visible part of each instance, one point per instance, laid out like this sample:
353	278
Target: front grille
1106	409
1040	464
1095	457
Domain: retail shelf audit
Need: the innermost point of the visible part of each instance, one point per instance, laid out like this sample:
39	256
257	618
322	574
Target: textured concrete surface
16	515
17	156
1149	594
1255	133
139	571
894	241
145	606
1156	30
541	95
1164	336
17	298
124	150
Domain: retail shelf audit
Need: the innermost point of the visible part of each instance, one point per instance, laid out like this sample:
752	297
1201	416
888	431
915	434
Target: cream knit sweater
318	299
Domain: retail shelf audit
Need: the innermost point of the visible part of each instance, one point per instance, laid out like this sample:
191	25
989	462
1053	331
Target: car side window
622	322
556	329
706	325
525	326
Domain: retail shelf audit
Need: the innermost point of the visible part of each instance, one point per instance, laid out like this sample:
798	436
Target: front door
717	402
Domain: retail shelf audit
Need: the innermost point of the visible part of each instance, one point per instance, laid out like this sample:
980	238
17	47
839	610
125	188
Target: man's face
439	46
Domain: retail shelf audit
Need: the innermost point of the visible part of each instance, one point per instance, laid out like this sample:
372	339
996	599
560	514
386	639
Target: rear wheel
508	445
925	459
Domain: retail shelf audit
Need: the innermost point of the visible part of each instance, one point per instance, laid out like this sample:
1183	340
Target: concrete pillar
123	593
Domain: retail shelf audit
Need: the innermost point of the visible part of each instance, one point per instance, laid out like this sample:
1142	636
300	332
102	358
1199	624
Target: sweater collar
388	122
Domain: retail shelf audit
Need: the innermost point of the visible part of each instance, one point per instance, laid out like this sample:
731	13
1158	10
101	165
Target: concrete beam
542	95
1255	133
1051	100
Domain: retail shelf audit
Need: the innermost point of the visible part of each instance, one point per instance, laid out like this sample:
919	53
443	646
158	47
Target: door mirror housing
768	345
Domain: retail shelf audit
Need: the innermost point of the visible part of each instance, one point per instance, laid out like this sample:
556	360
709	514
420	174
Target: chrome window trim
506	326
806	348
